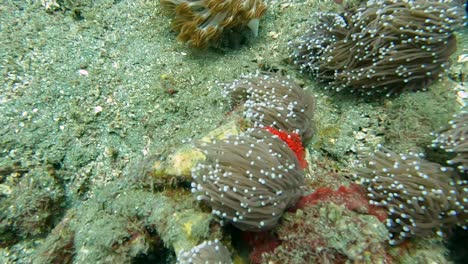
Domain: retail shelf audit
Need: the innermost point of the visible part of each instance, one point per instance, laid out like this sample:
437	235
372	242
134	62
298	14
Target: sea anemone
200	22
382	46
420	196
206	252
249	179
275	101
455	139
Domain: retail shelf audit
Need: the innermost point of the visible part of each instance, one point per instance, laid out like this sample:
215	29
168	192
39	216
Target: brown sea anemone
271	100
420	196
200	22
206	252
454	139
382	46
248	180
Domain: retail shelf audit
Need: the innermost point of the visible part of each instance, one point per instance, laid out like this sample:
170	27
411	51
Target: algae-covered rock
30	205
329	233
181	162
358	237
421	251
121	225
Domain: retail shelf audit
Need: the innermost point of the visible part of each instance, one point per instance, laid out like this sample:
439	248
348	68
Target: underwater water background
94	92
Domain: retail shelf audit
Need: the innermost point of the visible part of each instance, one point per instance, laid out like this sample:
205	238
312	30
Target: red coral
353	197
294	142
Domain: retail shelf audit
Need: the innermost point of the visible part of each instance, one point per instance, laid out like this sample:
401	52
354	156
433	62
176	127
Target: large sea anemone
454	139
382	46
421	196
271	100
249	179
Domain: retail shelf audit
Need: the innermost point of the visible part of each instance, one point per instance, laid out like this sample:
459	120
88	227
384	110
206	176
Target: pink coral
353	197
262	243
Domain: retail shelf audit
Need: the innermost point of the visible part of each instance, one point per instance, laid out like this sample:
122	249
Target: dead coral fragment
200	22
249	180
420	196
383	46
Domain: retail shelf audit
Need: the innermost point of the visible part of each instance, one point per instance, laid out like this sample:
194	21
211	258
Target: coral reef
382	46
179	163
206	252
420	196
455	139
249	179
92	93
275	101
59	247
200	22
